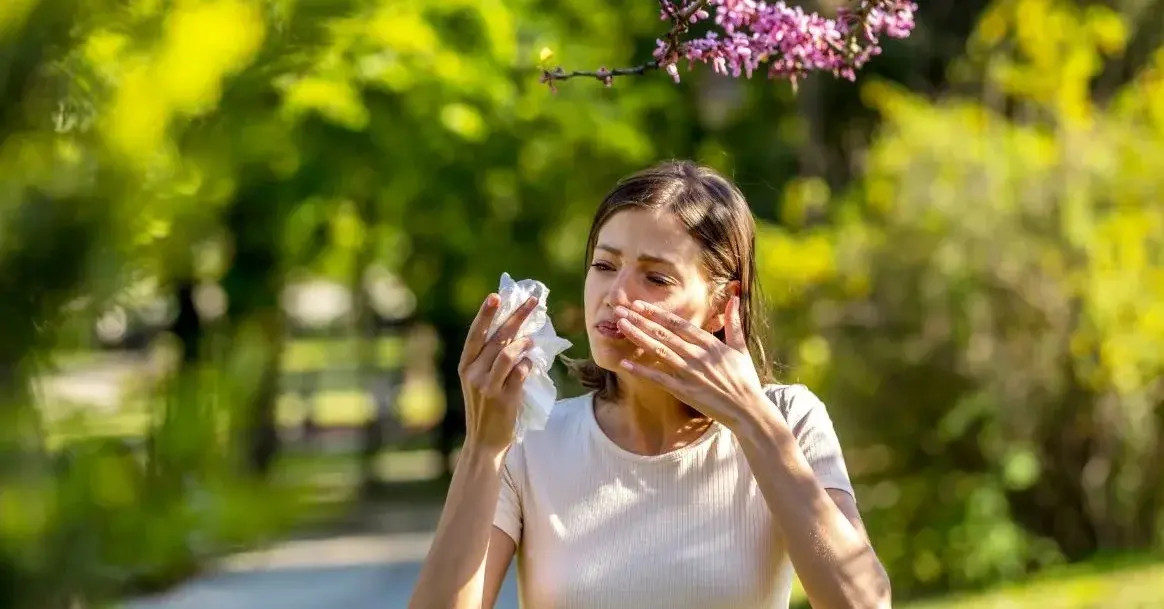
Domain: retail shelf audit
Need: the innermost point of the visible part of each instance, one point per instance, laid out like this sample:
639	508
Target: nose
621	290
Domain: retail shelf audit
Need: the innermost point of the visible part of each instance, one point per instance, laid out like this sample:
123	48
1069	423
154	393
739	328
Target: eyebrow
643	257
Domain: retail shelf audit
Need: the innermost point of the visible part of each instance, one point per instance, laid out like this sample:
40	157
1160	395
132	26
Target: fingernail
492	300
621	311
626	364
639	306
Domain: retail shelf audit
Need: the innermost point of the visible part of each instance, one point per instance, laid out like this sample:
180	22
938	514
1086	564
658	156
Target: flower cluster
788	40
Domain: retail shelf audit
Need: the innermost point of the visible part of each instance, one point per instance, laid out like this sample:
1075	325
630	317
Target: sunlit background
240	243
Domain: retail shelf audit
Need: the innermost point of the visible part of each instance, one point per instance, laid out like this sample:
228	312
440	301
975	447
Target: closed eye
659	280
655	278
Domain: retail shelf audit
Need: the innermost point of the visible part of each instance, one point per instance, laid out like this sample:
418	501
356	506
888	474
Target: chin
608	353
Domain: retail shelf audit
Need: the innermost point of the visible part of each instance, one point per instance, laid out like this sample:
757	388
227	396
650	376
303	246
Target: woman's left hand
715	377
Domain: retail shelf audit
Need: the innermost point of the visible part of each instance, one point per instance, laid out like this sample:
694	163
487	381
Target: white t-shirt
599	527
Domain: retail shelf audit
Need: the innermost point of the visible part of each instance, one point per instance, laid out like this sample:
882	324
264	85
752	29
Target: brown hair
716	214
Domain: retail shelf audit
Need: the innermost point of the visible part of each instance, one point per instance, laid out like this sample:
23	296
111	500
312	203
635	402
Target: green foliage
986	315
236	142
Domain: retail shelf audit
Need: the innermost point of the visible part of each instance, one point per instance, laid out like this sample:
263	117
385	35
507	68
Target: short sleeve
508	514
813	428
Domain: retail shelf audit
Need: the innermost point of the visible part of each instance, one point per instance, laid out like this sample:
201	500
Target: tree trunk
371	378
451	432
253	286
179	444
264	432
188	326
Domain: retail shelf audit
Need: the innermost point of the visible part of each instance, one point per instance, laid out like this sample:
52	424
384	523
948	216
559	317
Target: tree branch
680	22
602	74
789	41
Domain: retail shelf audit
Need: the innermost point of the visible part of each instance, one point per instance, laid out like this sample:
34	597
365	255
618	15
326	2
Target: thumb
735	326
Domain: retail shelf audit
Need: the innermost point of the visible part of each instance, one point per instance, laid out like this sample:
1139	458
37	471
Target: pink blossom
785	38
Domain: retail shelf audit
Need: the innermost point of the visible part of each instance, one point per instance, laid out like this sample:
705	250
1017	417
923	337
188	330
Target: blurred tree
988	314
52	217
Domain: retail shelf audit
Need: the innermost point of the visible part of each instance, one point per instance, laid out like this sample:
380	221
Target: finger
734	328
505	361
668	382
651	346
663	335
518	375
506	332
683	328
478	330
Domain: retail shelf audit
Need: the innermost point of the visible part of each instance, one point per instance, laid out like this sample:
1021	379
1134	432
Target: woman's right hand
492	372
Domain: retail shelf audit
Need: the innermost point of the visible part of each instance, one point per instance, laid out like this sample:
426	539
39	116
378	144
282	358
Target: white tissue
538	392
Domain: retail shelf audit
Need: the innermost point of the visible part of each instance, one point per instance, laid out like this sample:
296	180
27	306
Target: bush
987	312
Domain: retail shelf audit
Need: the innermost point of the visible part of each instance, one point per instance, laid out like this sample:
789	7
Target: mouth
609	329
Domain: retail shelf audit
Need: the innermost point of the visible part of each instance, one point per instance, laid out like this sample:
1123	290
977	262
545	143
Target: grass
1126	584
305	354
338	402
418	406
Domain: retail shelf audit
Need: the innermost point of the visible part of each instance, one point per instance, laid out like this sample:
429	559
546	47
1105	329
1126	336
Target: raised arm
468	559
827	542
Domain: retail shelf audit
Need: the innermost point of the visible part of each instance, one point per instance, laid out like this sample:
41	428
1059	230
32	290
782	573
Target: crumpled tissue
538	392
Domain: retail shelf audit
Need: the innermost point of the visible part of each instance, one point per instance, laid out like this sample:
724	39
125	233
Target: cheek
591	294
687	306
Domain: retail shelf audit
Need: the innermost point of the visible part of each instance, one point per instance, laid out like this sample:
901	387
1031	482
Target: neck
645	419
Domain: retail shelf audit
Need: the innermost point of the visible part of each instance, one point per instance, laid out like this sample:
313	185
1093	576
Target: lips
608	329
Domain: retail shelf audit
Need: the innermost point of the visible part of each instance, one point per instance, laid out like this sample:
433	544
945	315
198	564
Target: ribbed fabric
598	527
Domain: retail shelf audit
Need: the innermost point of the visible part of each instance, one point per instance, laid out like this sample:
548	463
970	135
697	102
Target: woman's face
643	255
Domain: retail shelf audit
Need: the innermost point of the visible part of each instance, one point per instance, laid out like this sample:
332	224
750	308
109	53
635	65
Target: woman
681	479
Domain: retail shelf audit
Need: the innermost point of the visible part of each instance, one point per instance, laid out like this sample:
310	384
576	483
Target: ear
718	320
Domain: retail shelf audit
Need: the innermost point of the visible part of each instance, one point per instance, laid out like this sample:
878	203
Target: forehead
650	232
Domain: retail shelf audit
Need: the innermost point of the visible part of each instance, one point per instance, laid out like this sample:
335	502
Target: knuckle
513	352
